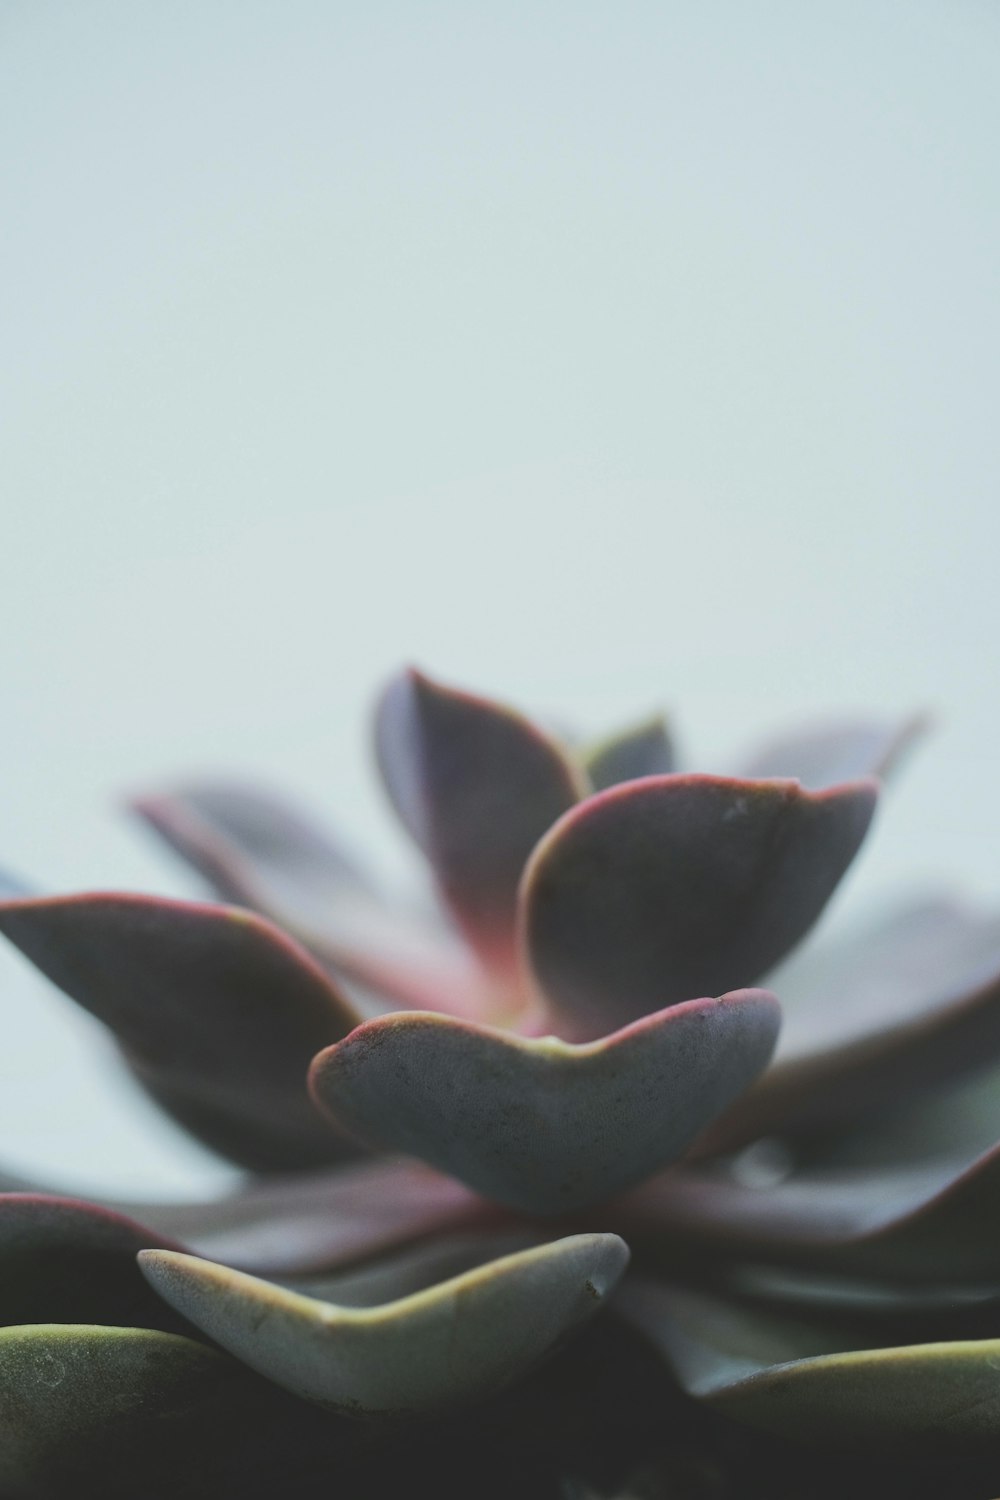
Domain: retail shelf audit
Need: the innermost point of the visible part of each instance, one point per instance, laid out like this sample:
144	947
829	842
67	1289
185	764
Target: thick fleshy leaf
908	1003
804	1380
645	749
456	1342
66	1261
542	1125
477	786
827	754
124	1412
680	885
218	1012
956	1120
317	1222
255	849
939	1221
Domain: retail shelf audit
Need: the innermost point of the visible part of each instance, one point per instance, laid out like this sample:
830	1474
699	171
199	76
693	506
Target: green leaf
455	1342
127	1412
805	1383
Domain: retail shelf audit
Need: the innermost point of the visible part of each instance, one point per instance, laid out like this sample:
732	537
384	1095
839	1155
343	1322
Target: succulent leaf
477	786
958	1118
542	1125
938	1221
790	1377
851	1249
309	1222
909	1002
218	1012
680	885
255	849
458	1341
120	1412
828	754
70	1262
645	749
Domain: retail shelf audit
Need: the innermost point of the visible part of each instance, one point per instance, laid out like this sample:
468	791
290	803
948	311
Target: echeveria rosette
511	1098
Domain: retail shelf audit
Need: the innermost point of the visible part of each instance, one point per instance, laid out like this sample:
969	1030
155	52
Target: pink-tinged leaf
66	1261
936	1222
477	786
680	885
255	849
448	1345
541	1125
310	1223
217	1011
909	1003
804	1380
645	749
826	754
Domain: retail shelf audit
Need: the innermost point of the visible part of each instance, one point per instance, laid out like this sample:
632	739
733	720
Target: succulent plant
544	1200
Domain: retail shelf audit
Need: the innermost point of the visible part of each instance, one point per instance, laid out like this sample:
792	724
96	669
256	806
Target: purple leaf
217	1011
680	885
827	754
306	1223
939	1221
539	1124
319	1222
256	850
908	1003
477	786
66	1261
954	1119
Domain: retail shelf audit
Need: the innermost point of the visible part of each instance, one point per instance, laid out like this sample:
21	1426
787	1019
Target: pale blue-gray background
596	355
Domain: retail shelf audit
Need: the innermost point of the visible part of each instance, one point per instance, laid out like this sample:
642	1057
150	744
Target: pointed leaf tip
825	755
218	1011
476	785
257	850
645	749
